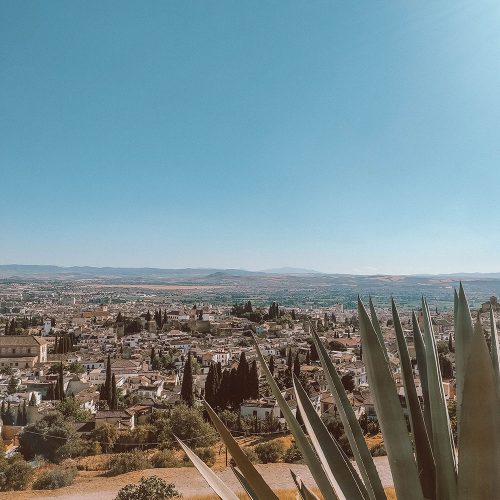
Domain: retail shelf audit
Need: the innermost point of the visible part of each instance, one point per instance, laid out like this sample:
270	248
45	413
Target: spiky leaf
327	448
389	412
214	481
303	444
304	491
463	335
352	429
246	485
251	474
479	440
443	448
425	459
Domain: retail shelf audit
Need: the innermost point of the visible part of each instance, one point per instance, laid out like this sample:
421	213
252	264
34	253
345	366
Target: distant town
90	368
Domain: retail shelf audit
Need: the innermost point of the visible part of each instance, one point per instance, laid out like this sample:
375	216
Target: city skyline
349	139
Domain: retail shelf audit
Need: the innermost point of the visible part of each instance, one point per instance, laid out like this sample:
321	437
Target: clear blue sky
357	137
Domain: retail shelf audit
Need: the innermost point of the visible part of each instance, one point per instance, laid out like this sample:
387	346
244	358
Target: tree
296	365
224	390
46	436
10	418
314	352
243	373
290	361
106	435
450	344
114	397
253	381
60	381
119	317
211	386
50	396
148	488
308	358
71	409
271	365
187	383
107	383
25	413
234	390
348	382
294	315
76	367
12	385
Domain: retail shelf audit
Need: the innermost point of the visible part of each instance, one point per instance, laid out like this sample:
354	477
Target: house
22	351
123	419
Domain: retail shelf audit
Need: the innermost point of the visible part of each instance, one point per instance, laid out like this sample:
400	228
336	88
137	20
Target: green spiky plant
429	469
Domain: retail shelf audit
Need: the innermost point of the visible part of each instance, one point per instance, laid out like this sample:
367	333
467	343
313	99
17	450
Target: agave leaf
304	491
214	481
251	474
378	330
423	451
422	371
327	448
352	429
443	448
495	347
479	440
303	444
246	486
463	335
389	412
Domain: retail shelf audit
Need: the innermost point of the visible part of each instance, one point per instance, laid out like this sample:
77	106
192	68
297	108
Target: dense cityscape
98	376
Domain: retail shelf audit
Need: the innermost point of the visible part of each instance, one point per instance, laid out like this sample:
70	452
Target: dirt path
91	486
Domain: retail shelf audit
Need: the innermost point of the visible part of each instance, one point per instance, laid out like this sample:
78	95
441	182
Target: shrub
344	444
269	452
46	436
15	474
250	453
164	459
292	455
56	478
206	454
186	423
127	462
378	450
148	488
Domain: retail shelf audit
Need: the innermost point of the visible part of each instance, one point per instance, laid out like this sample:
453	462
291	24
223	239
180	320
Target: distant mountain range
49	271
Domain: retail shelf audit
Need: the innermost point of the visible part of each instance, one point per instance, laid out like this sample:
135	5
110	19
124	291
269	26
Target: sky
347	137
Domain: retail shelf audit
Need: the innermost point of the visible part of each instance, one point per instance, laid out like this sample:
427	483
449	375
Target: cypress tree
114	397
450	343
271	365
25	414
225	387
296	365
314	352
19	417
234	389
187	383
55	344
57	391
61	383
152	356
2	410
308	358
50	393
210	386
253	381
243	373
9	415
7	327
107	383
290	361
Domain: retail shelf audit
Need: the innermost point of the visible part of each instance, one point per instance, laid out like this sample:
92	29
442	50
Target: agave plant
425	464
